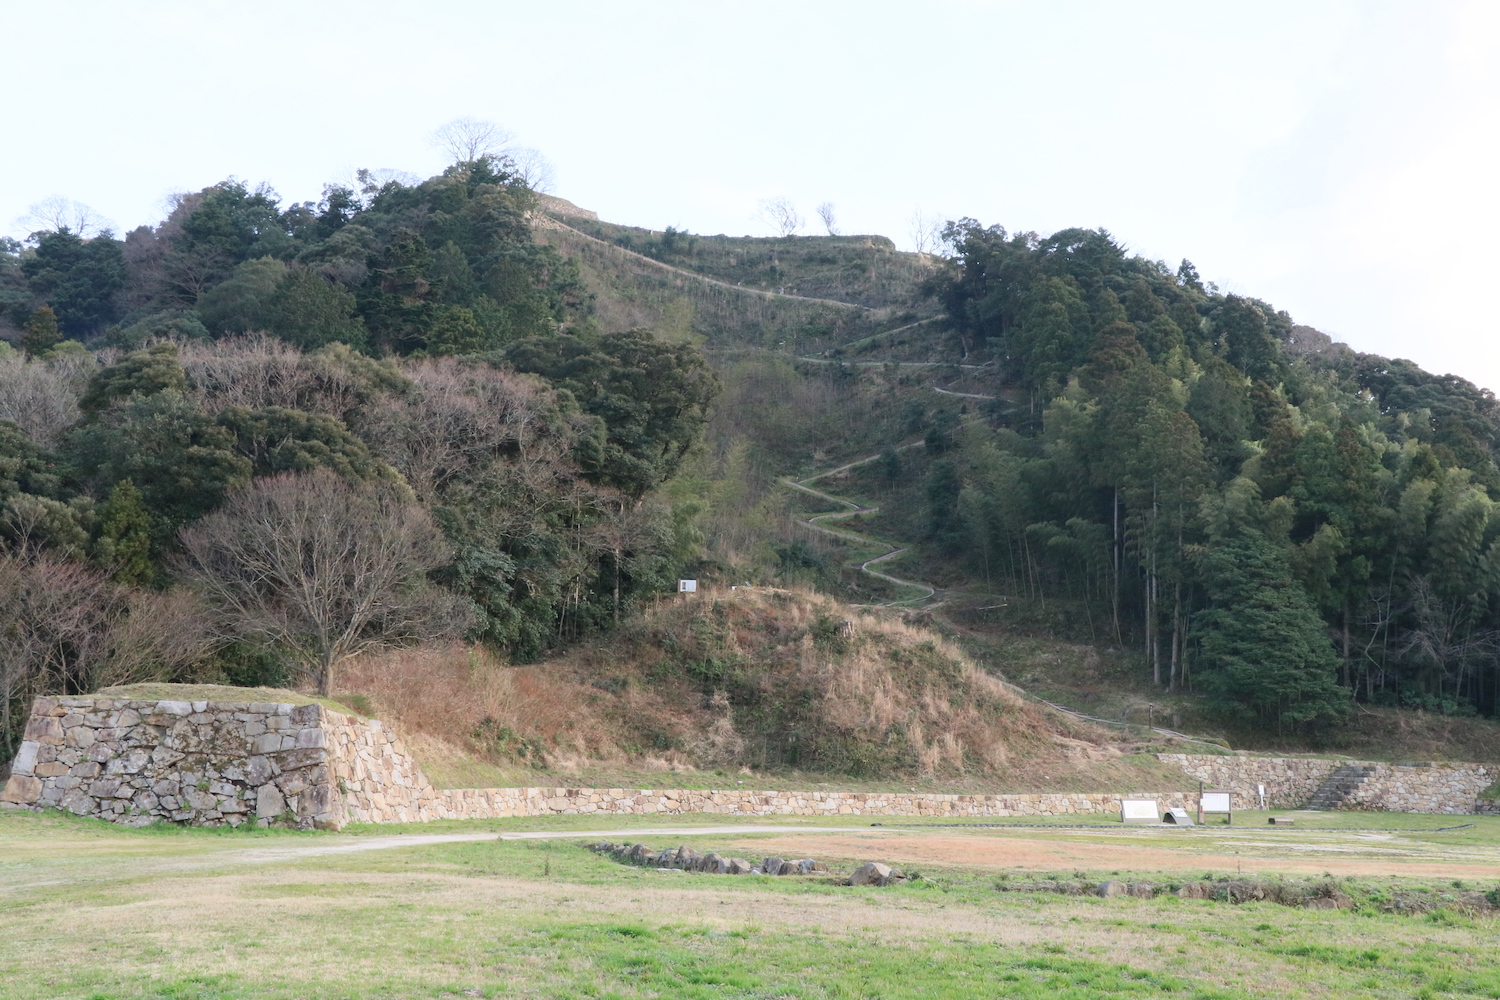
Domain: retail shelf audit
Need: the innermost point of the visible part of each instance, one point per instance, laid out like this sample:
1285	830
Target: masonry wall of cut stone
198	763
1424	788
304	766
1291	781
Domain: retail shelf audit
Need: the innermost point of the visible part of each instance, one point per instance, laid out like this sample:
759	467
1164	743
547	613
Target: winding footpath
929	592
548	222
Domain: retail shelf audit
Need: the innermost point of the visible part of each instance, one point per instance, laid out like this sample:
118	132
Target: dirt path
548	222
1108	850
892	551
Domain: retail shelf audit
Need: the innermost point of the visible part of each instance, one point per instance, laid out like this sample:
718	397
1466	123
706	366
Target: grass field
521	909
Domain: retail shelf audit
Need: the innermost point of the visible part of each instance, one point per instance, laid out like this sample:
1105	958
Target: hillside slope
778	687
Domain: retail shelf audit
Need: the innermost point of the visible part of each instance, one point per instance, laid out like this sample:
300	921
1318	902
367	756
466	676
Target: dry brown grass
751	679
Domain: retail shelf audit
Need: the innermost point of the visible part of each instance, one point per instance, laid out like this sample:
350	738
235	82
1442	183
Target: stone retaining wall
304	766
1424	788
197	763
1291	781
207	764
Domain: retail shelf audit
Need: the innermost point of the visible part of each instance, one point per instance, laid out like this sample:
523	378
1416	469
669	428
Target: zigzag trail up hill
930	592
637	278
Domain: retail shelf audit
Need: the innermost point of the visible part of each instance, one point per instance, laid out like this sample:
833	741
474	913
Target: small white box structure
687	586
1177	816
1139	811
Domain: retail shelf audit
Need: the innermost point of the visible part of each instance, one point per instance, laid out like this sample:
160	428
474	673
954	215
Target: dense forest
256	440
1280	522
401	388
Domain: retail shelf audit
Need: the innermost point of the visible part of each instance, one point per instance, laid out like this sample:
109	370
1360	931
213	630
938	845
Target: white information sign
687	586
1176	816
1216	802
1139	811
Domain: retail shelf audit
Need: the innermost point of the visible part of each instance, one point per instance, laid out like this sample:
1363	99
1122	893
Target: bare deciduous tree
257	371
42	396
57	212
470	139
321	568
533	168
781	215
461	417
64	627
830	223
926	232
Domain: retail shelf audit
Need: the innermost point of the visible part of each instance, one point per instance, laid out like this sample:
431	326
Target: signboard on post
1215	802
687	586
1139	811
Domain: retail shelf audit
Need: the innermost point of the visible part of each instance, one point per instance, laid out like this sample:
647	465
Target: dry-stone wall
304	766
1291	781
1424	788
197	763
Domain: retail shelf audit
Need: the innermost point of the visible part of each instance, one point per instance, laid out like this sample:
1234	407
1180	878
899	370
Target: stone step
1339	785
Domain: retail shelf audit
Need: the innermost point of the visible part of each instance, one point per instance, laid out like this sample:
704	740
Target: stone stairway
1338	786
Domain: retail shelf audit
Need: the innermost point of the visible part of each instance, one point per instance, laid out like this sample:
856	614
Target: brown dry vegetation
772	681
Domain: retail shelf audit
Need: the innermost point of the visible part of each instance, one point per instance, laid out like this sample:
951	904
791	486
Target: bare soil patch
1106	851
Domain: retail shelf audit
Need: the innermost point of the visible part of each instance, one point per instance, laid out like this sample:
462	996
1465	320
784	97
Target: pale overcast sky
1336	159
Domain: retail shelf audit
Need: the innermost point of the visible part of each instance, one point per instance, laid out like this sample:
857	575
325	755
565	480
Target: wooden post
1200	803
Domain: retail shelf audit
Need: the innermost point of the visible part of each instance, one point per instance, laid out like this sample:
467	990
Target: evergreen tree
123	545
1263	645
41	332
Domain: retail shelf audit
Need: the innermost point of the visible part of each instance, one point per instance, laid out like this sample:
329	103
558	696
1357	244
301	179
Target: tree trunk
1176	634
1348	682
1115	552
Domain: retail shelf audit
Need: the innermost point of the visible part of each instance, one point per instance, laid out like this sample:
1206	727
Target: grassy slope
98	913
803	420
752	688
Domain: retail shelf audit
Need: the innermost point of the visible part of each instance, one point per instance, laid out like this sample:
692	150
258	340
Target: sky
1337	159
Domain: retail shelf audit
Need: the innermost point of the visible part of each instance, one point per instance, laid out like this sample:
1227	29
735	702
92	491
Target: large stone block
22	789
25	758
44	729
269	802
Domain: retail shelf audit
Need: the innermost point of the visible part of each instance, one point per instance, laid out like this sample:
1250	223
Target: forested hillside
1280	521
257	441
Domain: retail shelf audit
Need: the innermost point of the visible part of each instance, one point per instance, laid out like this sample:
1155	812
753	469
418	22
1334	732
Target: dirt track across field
1280	852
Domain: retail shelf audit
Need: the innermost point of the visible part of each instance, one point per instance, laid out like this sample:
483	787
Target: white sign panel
687	586
1139	811
1216	802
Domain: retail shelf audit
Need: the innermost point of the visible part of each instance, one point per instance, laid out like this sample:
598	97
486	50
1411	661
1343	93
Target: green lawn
92	912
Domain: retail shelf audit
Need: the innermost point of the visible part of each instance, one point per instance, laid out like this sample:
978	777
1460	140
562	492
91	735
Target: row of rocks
1321	896
687	859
